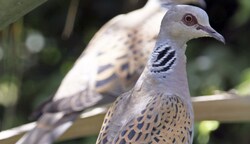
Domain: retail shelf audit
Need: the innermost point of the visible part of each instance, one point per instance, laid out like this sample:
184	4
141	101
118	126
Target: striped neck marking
164	57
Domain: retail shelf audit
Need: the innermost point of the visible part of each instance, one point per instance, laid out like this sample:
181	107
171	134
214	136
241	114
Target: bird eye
189	20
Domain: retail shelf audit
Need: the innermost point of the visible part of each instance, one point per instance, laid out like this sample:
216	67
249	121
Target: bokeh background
39	49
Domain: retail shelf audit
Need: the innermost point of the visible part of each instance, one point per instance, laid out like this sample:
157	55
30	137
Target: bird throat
163	59
167	69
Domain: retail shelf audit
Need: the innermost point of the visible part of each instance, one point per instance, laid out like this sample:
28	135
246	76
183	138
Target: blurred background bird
110	65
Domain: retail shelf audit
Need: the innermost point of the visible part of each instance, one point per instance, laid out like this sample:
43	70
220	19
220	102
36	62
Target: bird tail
38	112
57	116
49	127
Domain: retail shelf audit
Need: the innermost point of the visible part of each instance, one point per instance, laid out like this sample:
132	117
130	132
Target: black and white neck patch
163	59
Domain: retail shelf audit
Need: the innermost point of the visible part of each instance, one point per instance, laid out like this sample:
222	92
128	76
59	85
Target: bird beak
212	33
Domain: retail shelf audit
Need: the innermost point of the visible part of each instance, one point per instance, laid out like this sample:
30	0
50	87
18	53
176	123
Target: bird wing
102	69
122	58
110	65
79	88
48	128
165	119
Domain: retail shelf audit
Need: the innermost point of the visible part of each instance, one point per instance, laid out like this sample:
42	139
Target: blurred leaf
205	128
243	13
51	55
244	87
8	93
11	10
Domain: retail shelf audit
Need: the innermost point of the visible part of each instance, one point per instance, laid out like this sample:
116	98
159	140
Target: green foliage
244	87
8	93
204	130
243	14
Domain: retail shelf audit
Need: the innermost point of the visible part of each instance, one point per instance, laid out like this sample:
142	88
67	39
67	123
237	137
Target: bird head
201	3
184	22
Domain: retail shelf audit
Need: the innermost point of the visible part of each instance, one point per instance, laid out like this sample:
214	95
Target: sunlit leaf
8	93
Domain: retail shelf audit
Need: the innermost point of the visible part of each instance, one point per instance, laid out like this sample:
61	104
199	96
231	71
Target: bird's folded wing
164	120
117	64
76	103
95	72
110	65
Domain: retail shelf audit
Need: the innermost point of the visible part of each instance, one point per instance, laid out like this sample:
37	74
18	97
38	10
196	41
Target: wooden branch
221	107
12	10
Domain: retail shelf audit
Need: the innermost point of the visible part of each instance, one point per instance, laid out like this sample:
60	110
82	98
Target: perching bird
158	109
110	65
